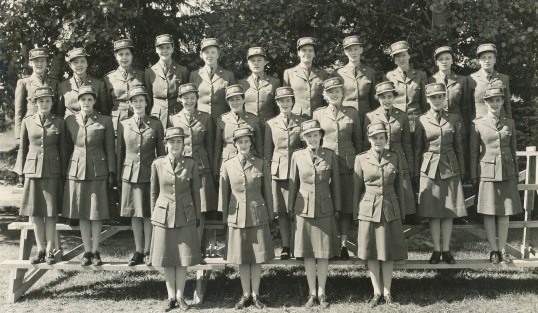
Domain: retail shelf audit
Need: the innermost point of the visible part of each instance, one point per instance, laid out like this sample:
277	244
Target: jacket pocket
188	208
327	205
159	212
301	204
395	205
274	166
31	164
73	168
510	167
487	166
454	165
426	158
54	164
366	206
100	166
233	209
127	170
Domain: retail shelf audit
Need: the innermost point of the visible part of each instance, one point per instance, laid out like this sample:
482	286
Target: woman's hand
21	181
111	180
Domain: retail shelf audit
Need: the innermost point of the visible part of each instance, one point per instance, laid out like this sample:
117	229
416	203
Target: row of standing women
182	186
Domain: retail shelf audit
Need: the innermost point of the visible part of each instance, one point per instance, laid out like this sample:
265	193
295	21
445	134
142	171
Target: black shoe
96	261
311	302
389	300
73	222
39	257
448	258
86	259
242	303
138	258
375	301
147	258
505	256
170	305
495	257
258	304
182	304
344	254
50	258
285	253
436	257
323	302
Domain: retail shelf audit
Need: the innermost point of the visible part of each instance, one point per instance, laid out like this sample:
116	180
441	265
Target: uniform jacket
493	149
137	147
42	151
378	187
68	96
24	105
175	200
224	144
359	90
117	89
308	90
478	83
280	142
92	145
200	140
438	146
411	97
314	189
212	91
260	100
343	134
245	197
398	133
457	94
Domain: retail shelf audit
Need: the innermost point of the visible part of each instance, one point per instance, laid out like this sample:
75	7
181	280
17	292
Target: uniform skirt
135	200
208	193
316	237
383	241
41	197
346	191
280	195
249	245
441	198
410	201
499	198
171	247
86	199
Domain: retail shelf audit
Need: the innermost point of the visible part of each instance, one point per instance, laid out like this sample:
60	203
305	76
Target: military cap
241	132
376	128
332	83
435	89
283	92
209	42
234	90
86	90
486	47
443	49
44	91
137	90
493	92
38	53
306	41
310	126
399	46
383	87
186	88
163	39
256	51
75	53
122	44
172	132
352	41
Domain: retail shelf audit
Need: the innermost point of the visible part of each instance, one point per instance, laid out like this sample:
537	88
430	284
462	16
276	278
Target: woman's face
402	59
39	65
285	105
353	53
437	101
334	96
378	141
444	61
495	104
124	57
175	146
256	64
306	54
243	145
312	139
79	65
487	61
189	101
138	103
44	104
210	56
86	103
165	51
386	99
236	103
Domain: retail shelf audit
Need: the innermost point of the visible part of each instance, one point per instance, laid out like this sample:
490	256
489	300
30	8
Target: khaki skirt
441	198
41	197
500	198
86	199
171	247
316	237
249	245
280	195
383	241
135	200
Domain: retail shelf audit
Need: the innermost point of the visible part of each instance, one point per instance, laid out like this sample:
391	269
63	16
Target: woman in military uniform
485	78
163	79
494	165
358	79
140	141
343	134
440	165
259	88
229	122
24	92
119	81
199	145
68	90
91	172
399	138
379	202
315	200
41	164
246	204
282	138
175	214
211	80
306	79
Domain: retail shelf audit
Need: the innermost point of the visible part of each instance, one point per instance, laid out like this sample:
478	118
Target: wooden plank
202	279
16	278
480	233
411	230
107	266
28	225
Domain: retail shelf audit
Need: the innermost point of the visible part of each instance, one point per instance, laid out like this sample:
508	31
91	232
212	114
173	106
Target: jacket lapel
168	164
133	125
157	69
410	75
380	113
384	156
299	72
204	75
328	114
217	75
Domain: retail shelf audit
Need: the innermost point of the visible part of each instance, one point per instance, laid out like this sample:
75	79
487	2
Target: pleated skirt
171	247
86	199
280	195
441	198
383	241
41	197
135	200
316	237
500	198
249	245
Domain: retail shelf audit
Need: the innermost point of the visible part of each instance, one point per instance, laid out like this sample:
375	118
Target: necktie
488	77
140	123
387	114
404	74
307	72
446	80
78	81
42	118
257	82
437	115
124	74
287	120
85	119
313	155
335	112
495	120
211	72
41	80
243	162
